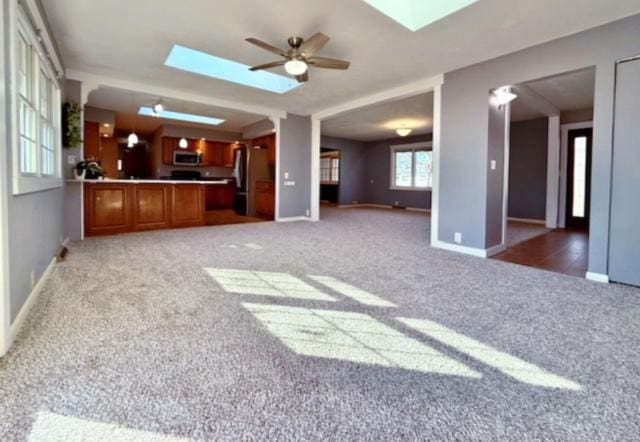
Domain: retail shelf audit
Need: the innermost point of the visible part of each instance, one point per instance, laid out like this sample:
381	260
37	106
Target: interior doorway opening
329	177
548	173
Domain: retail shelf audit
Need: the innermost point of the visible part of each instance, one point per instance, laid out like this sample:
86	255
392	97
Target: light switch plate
457	238
286	175
71	159
493	164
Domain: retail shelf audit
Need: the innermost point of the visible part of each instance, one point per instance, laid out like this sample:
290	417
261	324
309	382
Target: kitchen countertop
143	181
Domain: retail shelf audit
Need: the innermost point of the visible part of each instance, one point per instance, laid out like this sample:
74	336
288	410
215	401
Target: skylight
145	110
201	63
416	14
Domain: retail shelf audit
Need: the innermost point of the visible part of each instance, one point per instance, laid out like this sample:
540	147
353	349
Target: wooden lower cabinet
219	197
152	206
265	198
188	205
112	208
107	209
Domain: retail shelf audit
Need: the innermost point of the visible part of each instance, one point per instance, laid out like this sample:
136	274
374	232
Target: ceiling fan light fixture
183	143
403	131
296	67
132	139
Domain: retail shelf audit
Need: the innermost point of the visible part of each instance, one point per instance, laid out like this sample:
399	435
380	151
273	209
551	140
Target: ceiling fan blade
267	46
313	44
328	63
303	78
267	65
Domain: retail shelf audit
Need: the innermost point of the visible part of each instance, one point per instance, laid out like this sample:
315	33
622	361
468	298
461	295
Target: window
329	169
411	166
38	129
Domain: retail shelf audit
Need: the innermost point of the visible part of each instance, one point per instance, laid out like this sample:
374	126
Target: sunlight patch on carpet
353	337
510	365
362	296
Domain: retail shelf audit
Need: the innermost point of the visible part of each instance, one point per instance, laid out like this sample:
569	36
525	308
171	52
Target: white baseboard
480	253
31	300
528	220
293	219
597	277
495	250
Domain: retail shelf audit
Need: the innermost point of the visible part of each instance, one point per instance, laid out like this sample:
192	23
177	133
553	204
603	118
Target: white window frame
21	24
331	156
411	147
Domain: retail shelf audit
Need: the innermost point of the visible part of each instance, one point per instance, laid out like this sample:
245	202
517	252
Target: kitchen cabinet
267	142
107	209
188	205
152	206
214	153
219	197
112	208
109	156
265	199
91	141
169	145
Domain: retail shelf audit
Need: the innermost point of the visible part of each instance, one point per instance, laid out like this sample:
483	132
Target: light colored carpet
519	232
348	329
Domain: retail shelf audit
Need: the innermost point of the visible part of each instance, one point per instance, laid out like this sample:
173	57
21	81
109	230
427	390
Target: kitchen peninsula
120	206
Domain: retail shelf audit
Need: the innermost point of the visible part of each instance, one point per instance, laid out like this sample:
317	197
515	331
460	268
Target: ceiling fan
301	55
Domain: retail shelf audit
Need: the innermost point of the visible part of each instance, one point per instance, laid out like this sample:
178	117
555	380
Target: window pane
403	166
423	169
579	177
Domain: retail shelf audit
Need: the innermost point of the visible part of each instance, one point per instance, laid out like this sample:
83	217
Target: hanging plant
72	134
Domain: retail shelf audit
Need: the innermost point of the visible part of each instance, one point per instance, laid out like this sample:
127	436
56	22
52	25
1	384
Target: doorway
329	176
579	178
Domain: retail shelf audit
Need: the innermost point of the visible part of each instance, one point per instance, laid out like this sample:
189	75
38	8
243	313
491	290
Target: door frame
564	167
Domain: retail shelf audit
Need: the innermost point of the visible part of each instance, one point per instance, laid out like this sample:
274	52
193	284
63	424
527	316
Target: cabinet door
107	209
227	155
211	197
91	141
188	204
265	199
168	146
271	146
152	206
227	194
109	157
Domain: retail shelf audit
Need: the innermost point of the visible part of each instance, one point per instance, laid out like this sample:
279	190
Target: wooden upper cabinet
109	156
168	146
227	155
267	142
91	140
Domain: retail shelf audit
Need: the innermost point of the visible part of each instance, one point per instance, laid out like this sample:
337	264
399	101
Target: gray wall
464	133
496	144
295	158
35	229
353	161
528	169
378	169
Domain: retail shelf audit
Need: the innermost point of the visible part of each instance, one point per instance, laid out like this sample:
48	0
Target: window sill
412	189
23	185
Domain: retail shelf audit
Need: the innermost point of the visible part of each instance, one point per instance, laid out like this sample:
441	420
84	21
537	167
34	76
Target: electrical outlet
396	203
308	213
457	238
493	164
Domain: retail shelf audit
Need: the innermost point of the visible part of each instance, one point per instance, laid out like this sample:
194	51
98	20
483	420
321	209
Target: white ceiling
130	40
380	121
567	92
126	105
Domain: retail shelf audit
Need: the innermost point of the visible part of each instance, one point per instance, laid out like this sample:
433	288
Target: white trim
47	40
316	137
553	172
564	166
160	91
495	250
31	300
479	253
417	209
505	175
293	219
435	163
536	101
5	305
527	220
394	94
597	277
426	144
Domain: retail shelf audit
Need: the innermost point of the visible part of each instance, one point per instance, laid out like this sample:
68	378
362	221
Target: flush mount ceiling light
202	63
158	108
183	143
416	14
180	116
403	131
504	96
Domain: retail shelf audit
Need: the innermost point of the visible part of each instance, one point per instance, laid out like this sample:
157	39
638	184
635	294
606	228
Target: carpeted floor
348	329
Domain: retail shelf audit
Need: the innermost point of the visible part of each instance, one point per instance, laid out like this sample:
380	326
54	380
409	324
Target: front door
579	178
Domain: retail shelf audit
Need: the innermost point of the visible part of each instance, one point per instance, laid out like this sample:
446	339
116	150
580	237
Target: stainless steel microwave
186	159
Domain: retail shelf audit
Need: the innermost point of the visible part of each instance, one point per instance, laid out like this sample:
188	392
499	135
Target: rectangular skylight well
416	14
180	116
201	63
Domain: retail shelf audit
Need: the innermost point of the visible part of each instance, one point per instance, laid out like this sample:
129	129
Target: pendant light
158	108
183	143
